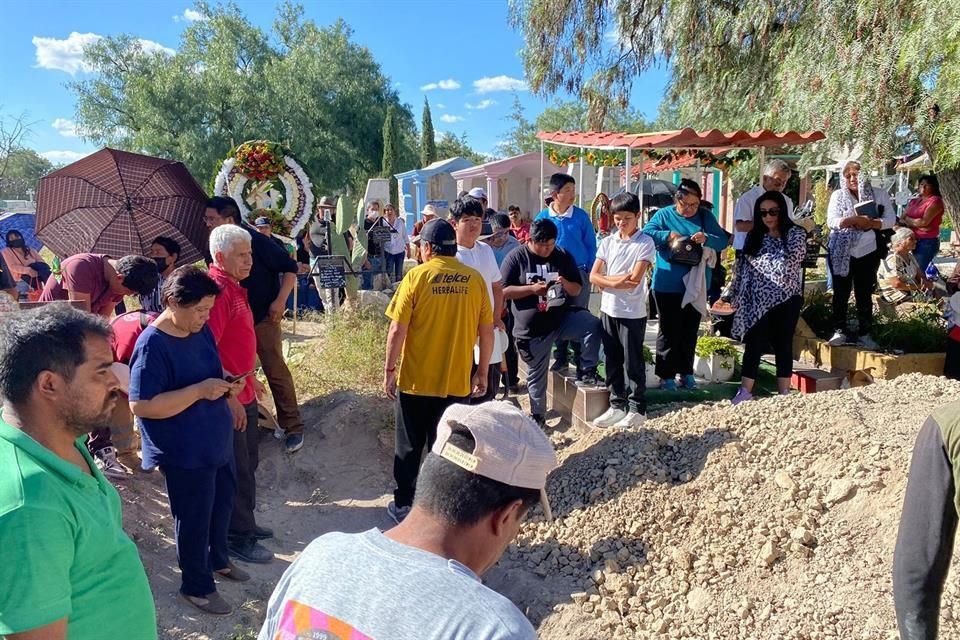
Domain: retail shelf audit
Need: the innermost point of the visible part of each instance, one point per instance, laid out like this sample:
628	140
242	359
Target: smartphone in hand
231	378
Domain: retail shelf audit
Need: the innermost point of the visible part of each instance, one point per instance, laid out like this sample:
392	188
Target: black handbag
685	251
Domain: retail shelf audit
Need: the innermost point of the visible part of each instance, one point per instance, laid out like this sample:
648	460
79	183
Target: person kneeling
901	279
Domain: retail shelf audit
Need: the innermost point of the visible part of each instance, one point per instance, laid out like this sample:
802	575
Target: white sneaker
868	343
106	461
837	339
609	418
632	420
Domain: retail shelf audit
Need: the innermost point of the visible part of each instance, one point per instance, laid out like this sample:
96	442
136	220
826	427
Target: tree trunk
950	189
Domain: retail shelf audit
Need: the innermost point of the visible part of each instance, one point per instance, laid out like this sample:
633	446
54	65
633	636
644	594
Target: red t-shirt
231	321
127	327
83	273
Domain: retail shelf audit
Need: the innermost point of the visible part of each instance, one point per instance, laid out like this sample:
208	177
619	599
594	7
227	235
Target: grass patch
348	355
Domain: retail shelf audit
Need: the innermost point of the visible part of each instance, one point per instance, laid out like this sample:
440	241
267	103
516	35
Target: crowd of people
488	291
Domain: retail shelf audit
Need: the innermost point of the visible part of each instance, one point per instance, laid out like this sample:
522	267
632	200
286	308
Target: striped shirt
896	266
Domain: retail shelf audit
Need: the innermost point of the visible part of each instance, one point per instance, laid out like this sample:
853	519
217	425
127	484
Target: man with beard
68	568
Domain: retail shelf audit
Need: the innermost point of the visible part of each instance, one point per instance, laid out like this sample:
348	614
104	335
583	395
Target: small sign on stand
330	271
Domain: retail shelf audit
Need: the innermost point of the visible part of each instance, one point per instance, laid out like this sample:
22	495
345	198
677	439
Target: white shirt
566	214
481	258
743	212
620	257
866	242
398	241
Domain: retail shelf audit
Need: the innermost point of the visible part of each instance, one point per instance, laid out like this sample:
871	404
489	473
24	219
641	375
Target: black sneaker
559	366
250	551
262	533
589	379
539	419
293	442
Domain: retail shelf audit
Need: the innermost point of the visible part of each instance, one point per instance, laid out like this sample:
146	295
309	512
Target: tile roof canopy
679	139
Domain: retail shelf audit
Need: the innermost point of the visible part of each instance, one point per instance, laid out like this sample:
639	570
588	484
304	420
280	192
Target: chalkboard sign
329	270
380	234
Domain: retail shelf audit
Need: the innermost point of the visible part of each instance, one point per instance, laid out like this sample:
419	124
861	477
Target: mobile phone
232	379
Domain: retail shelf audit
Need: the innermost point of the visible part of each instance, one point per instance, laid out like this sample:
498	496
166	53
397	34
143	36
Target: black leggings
676	335
775	327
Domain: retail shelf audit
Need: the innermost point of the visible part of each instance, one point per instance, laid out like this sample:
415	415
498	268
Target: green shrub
708	346
648	355
921	330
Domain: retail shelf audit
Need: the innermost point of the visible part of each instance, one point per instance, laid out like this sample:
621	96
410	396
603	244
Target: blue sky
419	44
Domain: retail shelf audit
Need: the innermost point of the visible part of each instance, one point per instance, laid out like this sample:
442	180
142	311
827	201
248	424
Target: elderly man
480	194
543	281
428	213
900	277
436	314
69	569
231	323
271	281
928	525
488	467
776	173
101	282
319	242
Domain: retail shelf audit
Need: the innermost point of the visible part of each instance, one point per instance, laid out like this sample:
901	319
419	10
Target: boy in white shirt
620	270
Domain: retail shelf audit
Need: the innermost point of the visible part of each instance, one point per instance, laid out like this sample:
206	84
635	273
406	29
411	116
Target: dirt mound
773	519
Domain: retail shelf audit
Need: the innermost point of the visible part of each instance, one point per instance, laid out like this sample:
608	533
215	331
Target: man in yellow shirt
436	315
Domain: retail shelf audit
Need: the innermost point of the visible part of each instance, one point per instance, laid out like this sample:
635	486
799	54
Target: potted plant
653	381
715	358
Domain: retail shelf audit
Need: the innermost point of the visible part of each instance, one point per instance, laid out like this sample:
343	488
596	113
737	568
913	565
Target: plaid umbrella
116	203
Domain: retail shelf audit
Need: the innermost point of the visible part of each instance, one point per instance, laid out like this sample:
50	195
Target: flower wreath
264	175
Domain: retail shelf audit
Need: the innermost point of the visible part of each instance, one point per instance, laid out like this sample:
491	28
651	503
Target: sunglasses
765	213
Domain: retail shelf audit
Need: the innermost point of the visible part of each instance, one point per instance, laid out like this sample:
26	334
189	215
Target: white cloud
499	83
190	15
440	105
67	54
450	118
448	85
64	157
483	104
66	128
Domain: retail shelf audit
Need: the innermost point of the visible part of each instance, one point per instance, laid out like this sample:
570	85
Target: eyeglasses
687	206
769	213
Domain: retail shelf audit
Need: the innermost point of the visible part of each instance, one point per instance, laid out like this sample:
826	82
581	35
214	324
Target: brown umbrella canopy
116	203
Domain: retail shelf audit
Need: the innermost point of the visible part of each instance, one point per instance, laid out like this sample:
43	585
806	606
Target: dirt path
339	483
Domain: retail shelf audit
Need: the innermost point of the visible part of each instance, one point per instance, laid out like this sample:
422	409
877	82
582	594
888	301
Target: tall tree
22	168
522	136
859	69
450	146
428	143
391	147
310	87
13	131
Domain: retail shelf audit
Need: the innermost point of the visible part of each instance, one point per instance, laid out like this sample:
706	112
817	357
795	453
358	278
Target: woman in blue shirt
679	323
178	391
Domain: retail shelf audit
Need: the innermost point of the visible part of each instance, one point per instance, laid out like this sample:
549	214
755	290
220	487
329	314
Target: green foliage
817	312
921	330
449	146
22	169
648	355
821	198
428	143
391	146
708	346
308	87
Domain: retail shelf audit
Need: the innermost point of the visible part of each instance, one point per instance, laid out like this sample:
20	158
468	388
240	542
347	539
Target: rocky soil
774	519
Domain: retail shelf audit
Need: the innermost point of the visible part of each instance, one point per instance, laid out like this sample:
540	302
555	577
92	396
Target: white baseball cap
509	446
477	192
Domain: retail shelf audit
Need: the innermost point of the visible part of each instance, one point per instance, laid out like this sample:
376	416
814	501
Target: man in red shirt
101	282
231	322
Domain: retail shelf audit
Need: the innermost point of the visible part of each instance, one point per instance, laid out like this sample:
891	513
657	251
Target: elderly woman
24	263
178	390
900	277
679	287
767	291
854	251
923	216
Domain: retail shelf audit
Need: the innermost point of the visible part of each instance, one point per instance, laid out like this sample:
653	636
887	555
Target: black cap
438	232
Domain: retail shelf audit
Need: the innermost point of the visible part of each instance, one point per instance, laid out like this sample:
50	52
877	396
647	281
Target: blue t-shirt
200	436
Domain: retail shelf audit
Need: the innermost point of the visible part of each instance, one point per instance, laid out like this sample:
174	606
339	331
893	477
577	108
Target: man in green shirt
67	568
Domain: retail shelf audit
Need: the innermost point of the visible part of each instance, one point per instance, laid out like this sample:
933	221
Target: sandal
212	603
233	572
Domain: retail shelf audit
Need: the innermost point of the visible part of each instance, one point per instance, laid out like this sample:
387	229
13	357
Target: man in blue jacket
576	236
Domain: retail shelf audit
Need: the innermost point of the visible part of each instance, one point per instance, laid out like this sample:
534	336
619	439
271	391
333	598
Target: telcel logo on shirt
450	278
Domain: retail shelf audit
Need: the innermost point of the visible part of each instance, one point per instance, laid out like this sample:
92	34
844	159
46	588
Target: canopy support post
629	175
540	184
580	181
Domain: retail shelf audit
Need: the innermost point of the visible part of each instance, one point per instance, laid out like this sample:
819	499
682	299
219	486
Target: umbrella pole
580	180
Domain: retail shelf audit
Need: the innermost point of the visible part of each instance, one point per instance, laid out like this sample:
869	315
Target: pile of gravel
773	519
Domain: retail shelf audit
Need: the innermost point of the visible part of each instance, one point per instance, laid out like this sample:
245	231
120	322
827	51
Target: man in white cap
480	194
428	213
420	579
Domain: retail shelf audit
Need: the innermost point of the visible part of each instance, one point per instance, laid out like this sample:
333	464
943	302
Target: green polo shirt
63	552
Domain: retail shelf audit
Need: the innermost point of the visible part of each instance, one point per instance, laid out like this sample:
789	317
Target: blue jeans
925	251
394	267
376	266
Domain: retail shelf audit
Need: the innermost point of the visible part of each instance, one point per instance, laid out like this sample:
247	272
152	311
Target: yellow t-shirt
442	302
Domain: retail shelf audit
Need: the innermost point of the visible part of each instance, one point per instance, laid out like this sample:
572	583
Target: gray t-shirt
364	585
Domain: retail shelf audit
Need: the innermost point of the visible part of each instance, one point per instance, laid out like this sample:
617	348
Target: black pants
626	372
417	420
775	328
200	501
510	357
862	279
951	365
676	335
246	453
